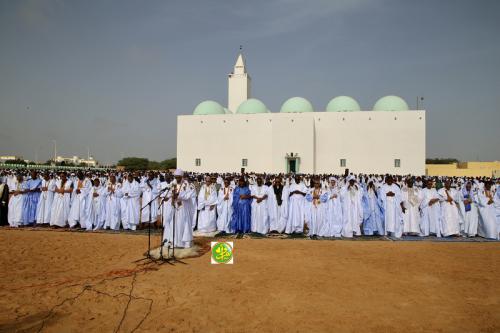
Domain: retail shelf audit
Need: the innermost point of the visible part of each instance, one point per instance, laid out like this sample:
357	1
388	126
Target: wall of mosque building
308	142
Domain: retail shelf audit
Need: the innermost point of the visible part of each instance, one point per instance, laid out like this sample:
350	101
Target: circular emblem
222	252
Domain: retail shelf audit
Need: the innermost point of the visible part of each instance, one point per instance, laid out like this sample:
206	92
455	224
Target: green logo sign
222	252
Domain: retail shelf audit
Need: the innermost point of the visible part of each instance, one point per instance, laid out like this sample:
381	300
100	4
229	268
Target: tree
16	161
153	165
169	163
134	163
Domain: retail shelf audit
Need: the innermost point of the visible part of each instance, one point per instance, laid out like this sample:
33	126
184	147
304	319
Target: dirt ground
56	281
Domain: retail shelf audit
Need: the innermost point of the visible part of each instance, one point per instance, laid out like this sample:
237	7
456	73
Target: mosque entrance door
292	163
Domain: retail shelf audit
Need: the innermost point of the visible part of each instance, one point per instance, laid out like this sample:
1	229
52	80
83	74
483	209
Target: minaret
238	85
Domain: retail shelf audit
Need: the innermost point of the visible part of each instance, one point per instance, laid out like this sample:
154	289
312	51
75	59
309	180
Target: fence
48	167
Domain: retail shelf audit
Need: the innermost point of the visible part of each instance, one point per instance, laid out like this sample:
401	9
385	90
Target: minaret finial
241	47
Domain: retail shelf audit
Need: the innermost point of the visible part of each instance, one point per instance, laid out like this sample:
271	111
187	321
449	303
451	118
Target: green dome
297	104
391	103
342	103
252	105
208	107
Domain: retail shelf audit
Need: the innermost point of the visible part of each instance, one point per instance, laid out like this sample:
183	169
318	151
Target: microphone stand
149	221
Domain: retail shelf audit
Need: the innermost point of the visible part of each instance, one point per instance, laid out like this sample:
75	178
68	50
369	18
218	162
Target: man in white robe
468	209
131	199
335	218
61	204
207	202
497	203
81	202
225	207
180	195
296	201
430	222
277	205
113	207
411	199
317	198
46	198
450	219
260	211
98	205
165	202
488	227
15	214
149	187
390	201
352	208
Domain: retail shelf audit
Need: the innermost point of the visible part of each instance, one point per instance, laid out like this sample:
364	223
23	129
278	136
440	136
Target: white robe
149	192
61	205
98	207
296	211
15	213
393	220
450	219
181	216
335	217
44	207
260	211
412	199
497	206
430	221
165	203
225	209
471	217
207	201
317	218
131	200
277	214
80	205
352	210
113	206
487	227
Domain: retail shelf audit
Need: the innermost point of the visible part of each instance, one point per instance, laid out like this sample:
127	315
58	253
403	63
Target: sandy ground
56	281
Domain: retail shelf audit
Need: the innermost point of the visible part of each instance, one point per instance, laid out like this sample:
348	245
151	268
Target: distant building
77	160
464	169
389	138
6	158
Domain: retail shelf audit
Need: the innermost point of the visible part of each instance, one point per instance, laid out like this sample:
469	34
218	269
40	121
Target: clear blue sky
113	74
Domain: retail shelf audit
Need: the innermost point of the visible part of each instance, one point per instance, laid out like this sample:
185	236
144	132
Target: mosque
390	138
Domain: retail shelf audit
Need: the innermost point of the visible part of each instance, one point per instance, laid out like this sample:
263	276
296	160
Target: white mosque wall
369	141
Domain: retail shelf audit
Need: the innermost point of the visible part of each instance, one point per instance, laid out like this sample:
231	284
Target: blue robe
30	202
241	219
372	220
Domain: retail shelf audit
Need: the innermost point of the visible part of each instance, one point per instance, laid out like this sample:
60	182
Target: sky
112	75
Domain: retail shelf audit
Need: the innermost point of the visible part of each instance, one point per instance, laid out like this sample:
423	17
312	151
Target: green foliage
134	163
441	160
18	161
169	164
153	165
137	163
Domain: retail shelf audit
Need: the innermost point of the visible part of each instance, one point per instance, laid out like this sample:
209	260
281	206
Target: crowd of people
318	206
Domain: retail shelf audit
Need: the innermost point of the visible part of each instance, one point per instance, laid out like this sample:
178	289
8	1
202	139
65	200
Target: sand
57	281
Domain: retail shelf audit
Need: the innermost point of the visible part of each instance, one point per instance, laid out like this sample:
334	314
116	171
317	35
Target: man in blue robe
242	201
32	194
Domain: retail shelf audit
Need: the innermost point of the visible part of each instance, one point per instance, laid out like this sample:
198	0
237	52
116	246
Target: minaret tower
238	84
